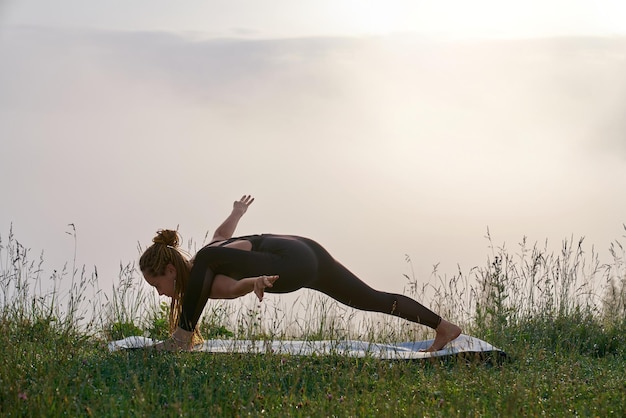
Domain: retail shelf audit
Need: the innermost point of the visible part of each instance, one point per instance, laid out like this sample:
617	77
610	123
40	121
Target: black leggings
299	263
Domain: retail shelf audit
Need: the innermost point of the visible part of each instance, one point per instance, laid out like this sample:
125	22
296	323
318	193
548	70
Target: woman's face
165	283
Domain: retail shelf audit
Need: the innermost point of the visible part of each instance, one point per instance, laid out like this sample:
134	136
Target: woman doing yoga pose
230	267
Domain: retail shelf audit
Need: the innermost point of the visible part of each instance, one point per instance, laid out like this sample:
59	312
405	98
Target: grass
560	317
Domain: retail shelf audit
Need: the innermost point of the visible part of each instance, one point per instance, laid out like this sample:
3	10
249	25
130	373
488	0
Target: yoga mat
464	344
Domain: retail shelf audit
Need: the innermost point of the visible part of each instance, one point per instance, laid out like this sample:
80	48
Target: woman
228	268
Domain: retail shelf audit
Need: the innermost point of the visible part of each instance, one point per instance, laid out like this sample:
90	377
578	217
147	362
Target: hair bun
167	237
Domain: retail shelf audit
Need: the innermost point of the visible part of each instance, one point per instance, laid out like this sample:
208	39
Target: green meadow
560	317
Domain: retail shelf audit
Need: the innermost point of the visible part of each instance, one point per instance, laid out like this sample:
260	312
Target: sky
378	128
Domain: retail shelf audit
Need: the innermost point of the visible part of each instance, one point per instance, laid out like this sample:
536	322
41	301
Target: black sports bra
255	240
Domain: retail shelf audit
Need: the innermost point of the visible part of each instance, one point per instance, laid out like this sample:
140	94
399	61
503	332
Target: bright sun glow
478	19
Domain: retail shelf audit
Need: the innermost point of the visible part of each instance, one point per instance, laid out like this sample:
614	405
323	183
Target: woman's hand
181	340
169	345
241	206
227	228
261	282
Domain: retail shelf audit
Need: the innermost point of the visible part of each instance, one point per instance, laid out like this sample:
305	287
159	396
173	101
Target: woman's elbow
223	287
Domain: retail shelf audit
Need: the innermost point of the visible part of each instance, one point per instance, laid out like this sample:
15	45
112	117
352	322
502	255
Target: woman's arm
227	228
225	287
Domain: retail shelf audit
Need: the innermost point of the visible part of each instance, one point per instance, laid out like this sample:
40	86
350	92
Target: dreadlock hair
165	250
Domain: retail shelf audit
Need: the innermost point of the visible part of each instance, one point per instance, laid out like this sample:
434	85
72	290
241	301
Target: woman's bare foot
446	332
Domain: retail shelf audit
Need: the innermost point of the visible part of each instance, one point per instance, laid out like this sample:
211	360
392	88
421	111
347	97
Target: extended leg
339	283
